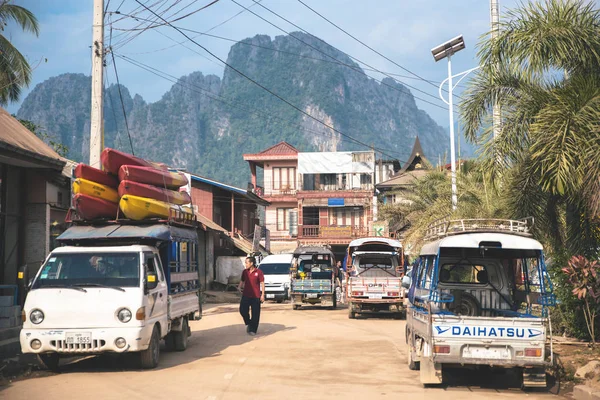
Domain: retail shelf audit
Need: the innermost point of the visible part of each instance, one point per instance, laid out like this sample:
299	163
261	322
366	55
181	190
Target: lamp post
447	50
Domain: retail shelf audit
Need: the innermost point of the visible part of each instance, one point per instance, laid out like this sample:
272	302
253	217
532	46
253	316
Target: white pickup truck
479	296
375	269
114	288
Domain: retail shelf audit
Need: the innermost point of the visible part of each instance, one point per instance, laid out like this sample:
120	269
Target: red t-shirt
252	283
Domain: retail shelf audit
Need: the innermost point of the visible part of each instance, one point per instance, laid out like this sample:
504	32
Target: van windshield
275	269
92	269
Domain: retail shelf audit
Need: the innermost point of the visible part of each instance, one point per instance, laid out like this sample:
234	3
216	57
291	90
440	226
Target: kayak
153	192
152	176
96	175
113	159
89	207
139	208
95	189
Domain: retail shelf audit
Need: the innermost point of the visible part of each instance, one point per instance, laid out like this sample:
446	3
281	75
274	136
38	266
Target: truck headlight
124	315
36	316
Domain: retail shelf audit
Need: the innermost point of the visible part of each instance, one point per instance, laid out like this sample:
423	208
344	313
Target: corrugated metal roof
157	232
15	135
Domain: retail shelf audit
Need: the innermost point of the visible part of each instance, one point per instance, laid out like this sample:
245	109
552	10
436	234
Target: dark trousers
245	305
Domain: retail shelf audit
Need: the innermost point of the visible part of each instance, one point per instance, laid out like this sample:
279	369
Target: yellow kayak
95	189
139	208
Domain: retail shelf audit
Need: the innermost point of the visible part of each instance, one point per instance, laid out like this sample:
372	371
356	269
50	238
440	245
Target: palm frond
22	16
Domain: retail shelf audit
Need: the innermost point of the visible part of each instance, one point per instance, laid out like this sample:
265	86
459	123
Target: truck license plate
489	353
270	296
78	338
376	296
311	296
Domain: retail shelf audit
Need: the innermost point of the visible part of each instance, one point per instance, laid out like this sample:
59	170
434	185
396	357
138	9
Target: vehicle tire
412	364
50	361
279	301
296	307
334	299
466	305
149	357
180	338
351	314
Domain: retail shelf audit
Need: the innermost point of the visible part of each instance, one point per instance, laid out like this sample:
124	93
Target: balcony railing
330	231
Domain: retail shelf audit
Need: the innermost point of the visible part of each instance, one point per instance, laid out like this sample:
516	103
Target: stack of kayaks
141	189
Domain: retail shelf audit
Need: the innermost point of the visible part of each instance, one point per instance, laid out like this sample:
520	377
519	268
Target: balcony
331	232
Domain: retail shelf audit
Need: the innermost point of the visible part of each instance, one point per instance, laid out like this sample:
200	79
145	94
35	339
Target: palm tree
15	71
544	72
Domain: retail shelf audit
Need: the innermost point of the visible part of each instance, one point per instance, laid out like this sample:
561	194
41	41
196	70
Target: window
284	178
153	266
463	273
283	219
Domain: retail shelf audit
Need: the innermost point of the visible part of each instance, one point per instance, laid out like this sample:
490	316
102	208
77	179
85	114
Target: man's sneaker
252	333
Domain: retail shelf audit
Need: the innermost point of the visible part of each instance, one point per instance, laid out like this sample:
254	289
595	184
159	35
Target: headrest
482	277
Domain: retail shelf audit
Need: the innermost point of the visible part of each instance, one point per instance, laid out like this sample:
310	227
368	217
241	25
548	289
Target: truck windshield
93	269
275	269
373	265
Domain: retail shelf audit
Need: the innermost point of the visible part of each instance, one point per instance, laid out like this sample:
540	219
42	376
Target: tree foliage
15	71
51	140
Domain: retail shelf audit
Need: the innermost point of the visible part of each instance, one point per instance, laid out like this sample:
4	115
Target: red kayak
95	175
89	207
113	159
153	192
152	176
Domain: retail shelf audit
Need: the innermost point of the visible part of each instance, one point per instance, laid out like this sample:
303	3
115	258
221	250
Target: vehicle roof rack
446	227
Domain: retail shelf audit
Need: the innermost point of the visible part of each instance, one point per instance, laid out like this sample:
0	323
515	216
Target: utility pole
97	119
495	21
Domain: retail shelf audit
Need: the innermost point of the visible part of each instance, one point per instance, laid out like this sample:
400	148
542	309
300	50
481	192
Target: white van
276	269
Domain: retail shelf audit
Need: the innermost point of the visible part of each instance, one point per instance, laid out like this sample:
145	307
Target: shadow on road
491	379
202	344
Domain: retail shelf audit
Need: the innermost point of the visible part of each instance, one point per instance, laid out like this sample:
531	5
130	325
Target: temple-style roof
417	159
416	167
280	151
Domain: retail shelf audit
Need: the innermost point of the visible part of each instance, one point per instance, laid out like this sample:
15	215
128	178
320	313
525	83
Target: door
156	299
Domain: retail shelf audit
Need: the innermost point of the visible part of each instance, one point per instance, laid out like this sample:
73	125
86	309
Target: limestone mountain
205	123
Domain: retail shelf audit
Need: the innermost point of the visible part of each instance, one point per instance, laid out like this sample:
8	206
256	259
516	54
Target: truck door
157	298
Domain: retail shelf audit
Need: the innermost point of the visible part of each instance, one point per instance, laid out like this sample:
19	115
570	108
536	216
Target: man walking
252	287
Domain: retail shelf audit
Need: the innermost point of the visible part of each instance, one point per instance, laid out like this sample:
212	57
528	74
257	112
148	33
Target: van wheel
180	338
149	357
296	307
334	300
50	361
279	301
412	364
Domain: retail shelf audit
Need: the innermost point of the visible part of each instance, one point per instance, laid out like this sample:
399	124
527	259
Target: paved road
306	354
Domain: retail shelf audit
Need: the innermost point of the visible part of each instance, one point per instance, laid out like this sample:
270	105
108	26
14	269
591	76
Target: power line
122	103
213	96
176	19
355	68
327	55
263	87
363	43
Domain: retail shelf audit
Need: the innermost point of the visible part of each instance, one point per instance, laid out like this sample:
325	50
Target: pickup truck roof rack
176	218
444	228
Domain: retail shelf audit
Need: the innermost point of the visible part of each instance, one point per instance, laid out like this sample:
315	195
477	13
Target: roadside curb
583	392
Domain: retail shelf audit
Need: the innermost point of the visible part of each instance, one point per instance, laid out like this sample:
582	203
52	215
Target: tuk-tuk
480	296
374	276
313	277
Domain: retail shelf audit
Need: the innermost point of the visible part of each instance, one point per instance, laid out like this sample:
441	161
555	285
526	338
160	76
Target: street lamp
447	50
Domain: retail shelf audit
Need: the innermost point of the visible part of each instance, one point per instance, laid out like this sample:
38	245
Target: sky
401	30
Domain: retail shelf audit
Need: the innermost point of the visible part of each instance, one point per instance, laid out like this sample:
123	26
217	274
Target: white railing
443	228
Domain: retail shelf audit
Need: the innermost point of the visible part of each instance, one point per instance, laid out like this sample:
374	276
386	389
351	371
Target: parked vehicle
114	288
313	277
375	270
480	296
276	269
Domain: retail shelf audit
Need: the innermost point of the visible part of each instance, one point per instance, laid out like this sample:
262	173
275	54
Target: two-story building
317	197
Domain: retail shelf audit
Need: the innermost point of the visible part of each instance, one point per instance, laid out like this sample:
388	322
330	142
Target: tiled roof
280	148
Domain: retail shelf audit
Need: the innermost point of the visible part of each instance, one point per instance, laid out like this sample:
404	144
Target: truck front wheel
149	357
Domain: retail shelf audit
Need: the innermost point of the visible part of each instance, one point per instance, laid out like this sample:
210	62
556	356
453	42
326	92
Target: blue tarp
157	232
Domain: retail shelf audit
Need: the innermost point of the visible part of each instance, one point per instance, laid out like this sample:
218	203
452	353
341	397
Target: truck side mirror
151	281
406	282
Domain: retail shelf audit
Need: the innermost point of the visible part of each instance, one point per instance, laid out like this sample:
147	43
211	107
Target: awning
157	232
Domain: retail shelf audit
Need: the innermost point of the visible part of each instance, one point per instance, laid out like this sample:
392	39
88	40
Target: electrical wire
213	96
355	68
261	86
122	103
363	43
177	19
112	107
322	52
